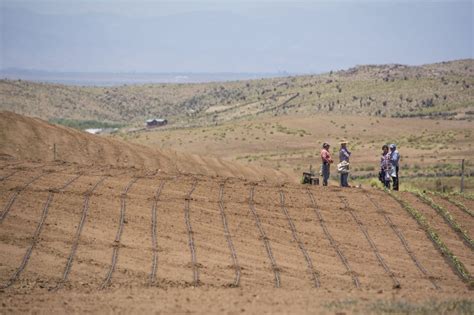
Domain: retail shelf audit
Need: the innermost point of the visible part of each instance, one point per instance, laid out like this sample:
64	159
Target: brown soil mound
29	138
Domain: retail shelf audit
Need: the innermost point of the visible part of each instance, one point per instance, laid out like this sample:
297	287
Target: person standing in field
327	161
394	159
385	166
343	166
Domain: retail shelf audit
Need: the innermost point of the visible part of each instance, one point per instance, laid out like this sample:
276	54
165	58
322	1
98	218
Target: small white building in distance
94	131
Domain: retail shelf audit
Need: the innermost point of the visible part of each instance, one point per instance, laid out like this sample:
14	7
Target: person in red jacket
327	161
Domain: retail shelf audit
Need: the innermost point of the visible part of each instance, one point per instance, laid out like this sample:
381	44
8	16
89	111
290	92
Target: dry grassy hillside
444	89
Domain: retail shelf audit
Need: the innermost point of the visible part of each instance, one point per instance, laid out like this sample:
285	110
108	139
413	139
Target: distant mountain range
112	79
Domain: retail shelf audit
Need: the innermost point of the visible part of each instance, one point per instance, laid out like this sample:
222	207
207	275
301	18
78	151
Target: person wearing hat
394	160
343	166
327	161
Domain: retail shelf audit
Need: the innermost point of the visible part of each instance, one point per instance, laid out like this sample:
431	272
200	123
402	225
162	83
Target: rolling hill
25	138
439	90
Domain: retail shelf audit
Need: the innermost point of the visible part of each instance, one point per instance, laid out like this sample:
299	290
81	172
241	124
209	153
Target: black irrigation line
37	233
448	218
404	242
229	237
77	236
396	283
118	236
16	193
154	241
8	176
192	247
333	243
455	202
266	242
458	267
309	262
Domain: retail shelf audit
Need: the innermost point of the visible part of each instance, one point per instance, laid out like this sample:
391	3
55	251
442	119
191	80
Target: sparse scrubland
437	90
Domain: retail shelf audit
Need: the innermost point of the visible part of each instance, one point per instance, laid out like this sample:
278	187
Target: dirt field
105	237
317	266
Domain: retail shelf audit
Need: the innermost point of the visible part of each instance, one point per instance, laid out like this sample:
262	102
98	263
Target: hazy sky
230	36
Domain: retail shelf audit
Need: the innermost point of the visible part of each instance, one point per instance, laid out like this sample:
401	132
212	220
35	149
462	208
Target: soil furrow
342	257
77	236
118	236
228	237
154	237
403	241
309	262
192	248
37	233
266	242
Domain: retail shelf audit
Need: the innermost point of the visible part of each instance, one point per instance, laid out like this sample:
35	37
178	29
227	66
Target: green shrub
375	183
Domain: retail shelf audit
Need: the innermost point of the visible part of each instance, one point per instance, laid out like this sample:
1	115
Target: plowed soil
453	240
175	290
94	251
465	221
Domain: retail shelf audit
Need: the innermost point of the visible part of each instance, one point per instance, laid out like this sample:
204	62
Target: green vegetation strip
459	204
84	124
455	262
446	215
